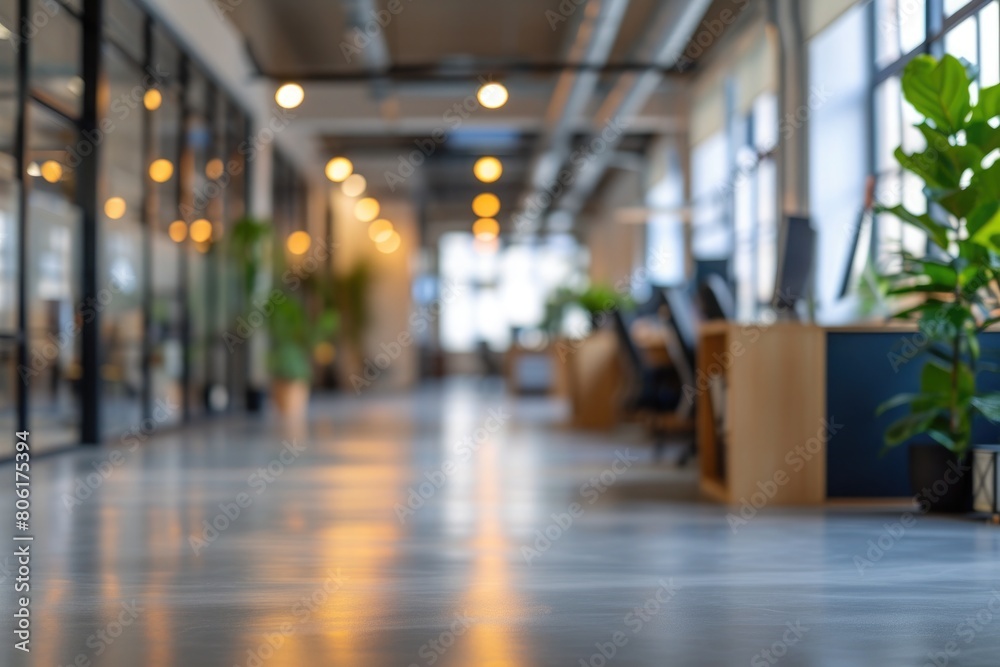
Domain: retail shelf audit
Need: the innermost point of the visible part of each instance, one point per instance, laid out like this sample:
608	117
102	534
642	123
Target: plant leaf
936	379
926	288
988	323
956	159
984	221
942	438
908	426
988	406
937	231
895	402
931	308
989	180
938	90
980	133
957	201
938	174
988	107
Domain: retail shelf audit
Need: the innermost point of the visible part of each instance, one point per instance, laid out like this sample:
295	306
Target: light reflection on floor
320	568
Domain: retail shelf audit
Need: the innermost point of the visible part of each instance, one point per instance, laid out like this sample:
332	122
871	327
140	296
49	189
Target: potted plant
349	291
248	242
953	280
294	334
600	301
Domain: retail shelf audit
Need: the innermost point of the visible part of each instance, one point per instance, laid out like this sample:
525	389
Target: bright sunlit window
496	293
709	180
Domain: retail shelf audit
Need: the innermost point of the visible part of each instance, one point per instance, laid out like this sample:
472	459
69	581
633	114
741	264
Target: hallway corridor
460	526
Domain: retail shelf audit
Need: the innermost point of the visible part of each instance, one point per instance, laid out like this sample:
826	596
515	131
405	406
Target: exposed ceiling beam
375	59
591	46
468	72
663	45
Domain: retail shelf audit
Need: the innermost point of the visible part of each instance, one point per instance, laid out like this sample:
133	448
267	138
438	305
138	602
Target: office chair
717	302
656	393
681	336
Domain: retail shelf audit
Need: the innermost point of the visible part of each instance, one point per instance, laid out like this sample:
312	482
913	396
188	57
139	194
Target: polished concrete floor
461	527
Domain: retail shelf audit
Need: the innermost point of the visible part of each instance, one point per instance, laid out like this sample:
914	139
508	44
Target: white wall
389	298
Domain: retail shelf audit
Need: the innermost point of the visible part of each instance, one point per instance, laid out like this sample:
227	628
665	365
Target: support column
20	154
88	175
793	100
261	177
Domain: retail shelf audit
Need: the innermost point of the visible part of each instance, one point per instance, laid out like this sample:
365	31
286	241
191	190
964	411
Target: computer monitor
796	252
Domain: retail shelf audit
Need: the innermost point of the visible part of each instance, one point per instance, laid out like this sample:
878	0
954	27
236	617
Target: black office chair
717	302
681	339
681	321
656	392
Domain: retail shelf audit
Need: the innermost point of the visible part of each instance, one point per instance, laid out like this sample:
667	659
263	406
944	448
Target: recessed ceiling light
380	230
366	209
488	169
51	171
354	185
298	242
390	244
486	229
214	169
486	205
161	170
289	96
492	95
115	208
177	231
338	169
201	230
152	99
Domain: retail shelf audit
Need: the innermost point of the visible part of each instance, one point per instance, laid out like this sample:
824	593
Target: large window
709	190
734	188
665	237
489	293
754	190
838	151
734	184
967	30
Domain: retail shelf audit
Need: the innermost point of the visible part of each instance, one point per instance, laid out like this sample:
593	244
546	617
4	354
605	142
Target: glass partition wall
120	173
9	230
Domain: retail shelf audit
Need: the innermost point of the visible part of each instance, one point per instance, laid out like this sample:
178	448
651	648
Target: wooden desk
775	404
595	380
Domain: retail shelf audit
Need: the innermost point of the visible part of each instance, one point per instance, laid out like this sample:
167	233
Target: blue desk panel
859	377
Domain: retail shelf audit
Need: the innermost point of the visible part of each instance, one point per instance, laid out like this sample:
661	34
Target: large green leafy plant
350	294
598	300
956	280
295	332
304	316
294	327
248	242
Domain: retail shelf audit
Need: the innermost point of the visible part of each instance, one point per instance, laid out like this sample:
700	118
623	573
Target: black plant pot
941	482
256	398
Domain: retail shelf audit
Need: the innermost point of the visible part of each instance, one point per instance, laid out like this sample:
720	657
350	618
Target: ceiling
309	36
391	84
